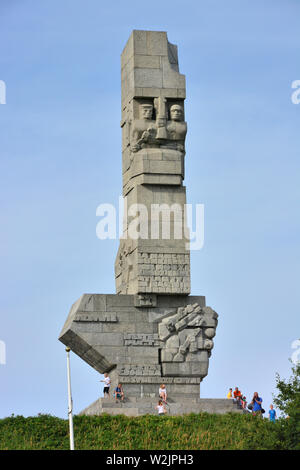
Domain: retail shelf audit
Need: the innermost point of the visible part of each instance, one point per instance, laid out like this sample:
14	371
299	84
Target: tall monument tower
151	331
153	151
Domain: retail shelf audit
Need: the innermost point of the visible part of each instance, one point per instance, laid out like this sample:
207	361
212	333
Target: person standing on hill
256	405
272	414
106	385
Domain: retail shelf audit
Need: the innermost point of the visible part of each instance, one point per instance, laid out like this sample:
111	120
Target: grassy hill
195	431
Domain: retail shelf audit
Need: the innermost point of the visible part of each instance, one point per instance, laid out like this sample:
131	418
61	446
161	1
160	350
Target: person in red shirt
237	394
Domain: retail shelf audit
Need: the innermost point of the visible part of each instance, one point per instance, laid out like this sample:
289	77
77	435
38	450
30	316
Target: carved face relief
176	112
171	326
146	111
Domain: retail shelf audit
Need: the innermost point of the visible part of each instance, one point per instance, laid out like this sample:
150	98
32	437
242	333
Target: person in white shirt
106	385
160	408
163	393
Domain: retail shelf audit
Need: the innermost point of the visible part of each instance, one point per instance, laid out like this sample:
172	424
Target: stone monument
151	331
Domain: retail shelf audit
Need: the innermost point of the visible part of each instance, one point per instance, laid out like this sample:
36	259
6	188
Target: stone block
146	61
87	303
171	78
97	361
114	301
145	77
104	339
118	327
74	341
95	328
169	92
157	43
140	42
150	92
181	93
99	302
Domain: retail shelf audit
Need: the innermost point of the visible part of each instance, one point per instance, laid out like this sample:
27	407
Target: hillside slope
194	431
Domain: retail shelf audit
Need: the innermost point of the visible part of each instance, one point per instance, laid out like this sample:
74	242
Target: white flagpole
70	401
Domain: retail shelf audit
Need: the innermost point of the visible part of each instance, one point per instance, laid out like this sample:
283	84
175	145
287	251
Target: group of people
118	391
238	397
255	406
118	394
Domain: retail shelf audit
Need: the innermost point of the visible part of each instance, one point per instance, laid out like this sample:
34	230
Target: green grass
195	431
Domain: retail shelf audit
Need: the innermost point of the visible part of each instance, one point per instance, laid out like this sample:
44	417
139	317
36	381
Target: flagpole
70	401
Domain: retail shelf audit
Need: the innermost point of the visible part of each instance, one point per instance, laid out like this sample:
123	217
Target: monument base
143	341
134	406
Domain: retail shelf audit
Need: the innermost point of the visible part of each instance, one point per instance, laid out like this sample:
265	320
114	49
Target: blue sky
60	157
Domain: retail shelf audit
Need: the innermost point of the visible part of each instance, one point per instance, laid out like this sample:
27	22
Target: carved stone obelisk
151	331
153	150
